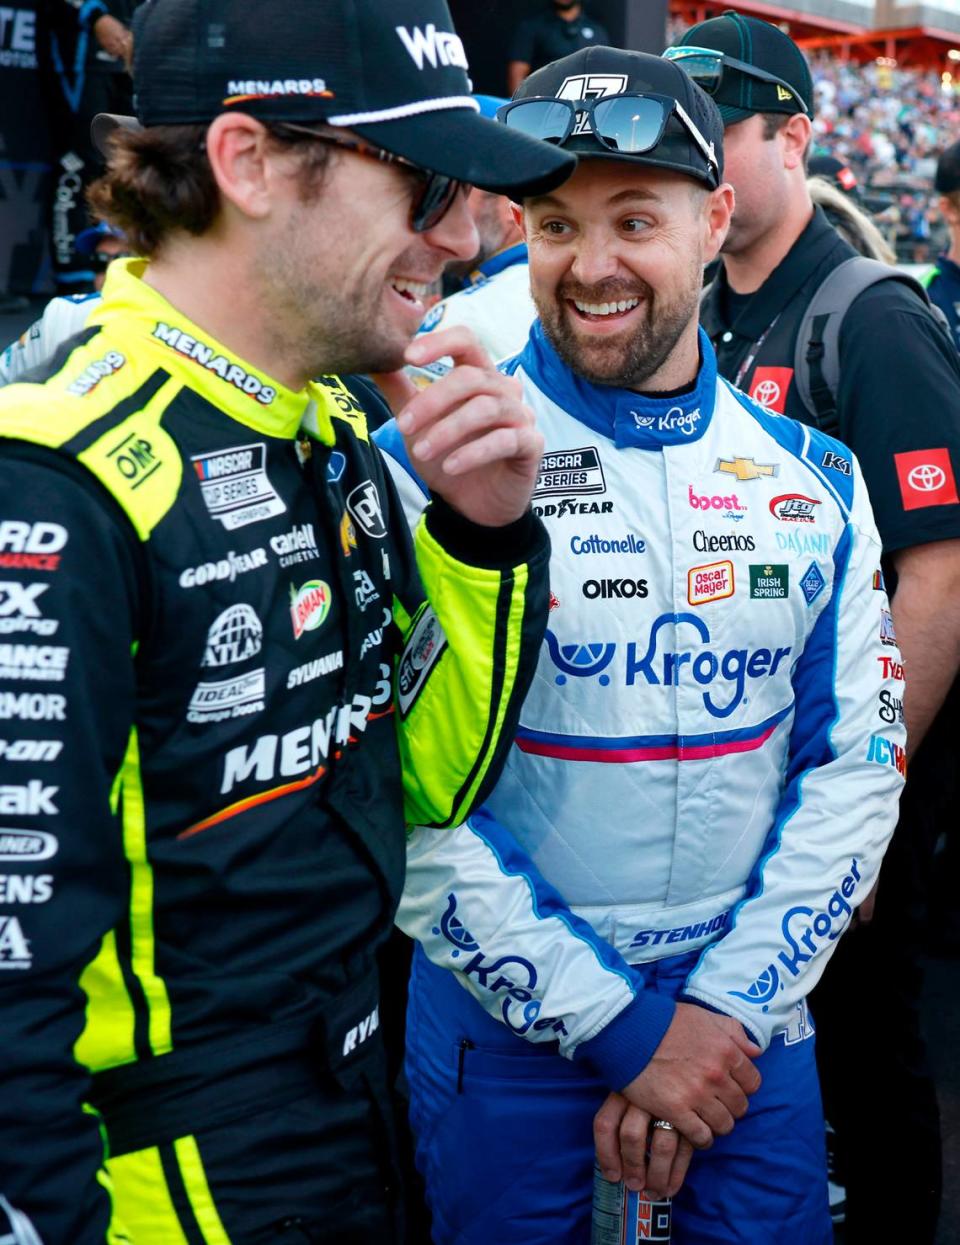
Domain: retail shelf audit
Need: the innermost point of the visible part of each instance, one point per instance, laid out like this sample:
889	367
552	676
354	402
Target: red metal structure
920	47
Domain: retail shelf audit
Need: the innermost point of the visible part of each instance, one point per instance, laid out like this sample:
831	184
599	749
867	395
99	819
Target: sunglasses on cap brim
706	67
630	124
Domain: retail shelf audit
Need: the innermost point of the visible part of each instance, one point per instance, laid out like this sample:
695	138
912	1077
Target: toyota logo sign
927	478
767	392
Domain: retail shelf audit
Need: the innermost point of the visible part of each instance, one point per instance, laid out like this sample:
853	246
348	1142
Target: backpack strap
816	364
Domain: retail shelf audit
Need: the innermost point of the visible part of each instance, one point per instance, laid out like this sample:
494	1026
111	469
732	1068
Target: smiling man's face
616	267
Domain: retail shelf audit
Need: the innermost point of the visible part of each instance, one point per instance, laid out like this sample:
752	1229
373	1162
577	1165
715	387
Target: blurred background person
563	27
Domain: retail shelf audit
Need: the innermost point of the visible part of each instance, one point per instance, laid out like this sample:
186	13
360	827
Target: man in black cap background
562	28
897	404
614	918
942	282
228	683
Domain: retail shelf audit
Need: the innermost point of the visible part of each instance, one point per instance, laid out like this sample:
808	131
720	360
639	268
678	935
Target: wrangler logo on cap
439	47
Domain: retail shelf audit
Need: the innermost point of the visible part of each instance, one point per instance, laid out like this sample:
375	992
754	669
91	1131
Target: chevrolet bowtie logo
746	468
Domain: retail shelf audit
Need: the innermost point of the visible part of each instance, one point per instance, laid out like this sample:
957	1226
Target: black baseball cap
835	172
599	71
763	46
396	74
947	177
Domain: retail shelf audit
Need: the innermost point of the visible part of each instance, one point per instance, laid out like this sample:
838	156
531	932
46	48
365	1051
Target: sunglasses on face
630	124
100	259
434	194
706	67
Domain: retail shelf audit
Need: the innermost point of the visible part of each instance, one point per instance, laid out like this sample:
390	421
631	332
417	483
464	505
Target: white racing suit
62	318
703	784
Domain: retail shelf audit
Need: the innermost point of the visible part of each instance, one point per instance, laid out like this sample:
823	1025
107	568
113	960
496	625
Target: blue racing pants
504	1133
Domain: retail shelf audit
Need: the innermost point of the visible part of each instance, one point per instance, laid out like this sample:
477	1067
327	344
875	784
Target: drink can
624	1218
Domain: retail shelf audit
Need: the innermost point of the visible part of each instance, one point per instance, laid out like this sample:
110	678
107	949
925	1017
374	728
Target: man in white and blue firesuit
703	782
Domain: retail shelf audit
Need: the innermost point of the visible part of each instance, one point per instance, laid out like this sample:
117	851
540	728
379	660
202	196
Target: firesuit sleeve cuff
491	548
624	1047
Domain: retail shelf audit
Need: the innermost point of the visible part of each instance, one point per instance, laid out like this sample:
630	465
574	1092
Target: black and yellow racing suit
226	682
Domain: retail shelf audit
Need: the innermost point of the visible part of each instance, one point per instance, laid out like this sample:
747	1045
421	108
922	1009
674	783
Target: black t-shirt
898	398
547	37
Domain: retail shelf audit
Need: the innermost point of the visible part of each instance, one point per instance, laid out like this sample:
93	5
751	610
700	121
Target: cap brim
730	114
462	144
105	124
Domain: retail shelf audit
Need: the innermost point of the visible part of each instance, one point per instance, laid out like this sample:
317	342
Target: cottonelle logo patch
309	606
570	471
235	487
210	359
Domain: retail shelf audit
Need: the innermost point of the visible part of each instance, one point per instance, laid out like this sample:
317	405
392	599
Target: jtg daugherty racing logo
511	976
805	933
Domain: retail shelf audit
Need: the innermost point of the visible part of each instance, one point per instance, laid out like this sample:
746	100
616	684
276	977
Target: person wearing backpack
874	366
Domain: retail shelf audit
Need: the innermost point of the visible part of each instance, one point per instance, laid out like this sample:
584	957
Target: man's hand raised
699	1076
469	435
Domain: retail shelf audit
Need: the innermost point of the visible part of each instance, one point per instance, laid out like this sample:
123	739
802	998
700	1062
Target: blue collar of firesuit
629	419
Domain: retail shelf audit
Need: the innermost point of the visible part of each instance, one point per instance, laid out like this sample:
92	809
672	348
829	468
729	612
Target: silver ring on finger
665	1125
